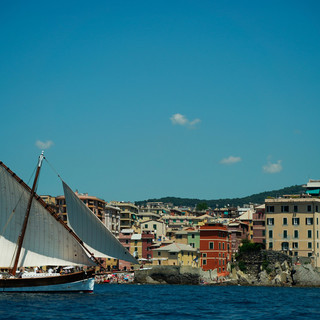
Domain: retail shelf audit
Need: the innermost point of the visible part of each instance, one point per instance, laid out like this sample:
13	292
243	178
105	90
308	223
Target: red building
147	241
214	247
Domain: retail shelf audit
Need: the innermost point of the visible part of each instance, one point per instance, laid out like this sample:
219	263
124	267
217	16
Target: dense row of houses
161	234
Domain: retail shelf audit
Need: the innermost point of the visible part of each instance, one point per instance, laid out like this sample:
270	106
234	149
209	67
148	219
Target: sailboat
32	235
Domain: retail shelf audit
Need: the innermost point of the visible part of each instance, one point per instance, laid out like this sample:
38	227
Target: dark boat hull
72	282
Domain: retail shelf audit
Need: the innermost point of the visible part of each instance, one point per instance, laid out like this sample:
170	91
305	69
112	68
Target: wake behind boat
32	234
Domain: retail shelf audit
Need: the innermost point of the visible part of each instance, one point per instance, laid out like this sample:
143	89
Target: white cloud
44	145
273	167
230	160
181	120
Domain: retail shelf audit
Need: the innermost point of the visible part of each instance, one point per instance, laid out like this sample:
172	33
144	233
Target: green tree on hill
202	206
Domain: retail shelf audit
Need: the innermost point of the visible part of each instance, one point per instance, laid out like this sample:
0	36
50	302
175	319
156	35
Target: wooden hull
73	282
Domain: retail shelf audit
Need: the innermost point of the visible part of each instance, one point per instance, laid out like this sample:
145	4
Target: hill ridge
257	198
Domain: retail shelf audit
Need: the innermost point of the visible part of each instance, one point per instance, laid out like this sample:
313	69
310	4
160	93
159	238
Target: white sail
46	242
92	231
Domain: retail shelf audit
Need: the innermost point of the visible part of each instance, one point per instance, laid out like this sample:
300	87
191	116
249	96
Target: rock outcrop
168	275
272	268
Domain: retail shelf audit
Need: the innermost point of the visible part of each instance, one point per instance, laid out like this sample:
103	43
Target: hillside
255	198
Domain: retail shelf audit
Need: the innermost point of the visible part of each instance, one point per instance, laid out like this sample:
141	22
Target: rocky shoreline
262	268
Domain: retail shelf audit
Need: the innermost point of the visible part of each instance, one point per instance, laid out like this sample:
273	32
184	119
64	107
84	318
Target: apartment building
176	254
292	226
96	205
215	247
259	225
128	213
112	219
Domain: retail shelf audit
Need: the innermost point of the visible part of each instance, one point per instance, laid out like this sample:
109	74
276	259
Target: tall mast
24	227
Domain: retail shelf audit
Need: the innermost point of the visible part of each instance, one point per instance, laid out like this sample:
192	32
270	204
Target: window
270	208
270	221
285	221
270	234
270	245
295	221
284	208
154	227
309	208
204	255
219	246
295	245
285	246
192	236
135	249
285	234
317	209
211	245
295	208
222	245
159	253
309	221
192	245
309	254
309	234
204	261
309	245
146	226
296	234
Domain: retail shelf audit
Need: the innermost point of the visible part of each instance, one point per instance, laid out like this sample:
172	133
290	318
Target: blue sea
116	301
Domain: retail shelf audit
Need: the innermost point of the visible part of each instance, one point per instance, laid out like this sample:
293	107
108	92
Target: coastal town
160	234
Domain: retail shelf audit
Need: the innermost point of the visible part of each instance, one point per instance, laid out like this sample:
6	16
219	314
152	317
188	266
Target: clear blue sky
145	99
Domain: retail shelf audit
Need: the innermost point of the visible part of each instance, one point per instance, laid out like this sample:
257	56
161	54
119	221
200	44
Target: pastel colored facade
112	219
125	239
181	236
215	247
292	226
179	221
194	238
128	213
238	232
159	208
176	254
157	228
259	225
246	217
147	215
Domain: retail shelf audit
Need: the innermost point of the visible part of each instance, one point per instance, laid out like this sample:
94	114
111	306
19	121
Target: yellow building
176	254
128	213
292	226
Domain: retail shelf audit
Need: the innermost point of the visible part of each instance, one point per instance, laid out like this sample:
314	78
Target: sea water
116	301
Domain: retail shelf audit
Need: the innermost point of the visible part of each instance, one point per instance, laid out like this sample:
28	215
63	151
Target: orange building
215	247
